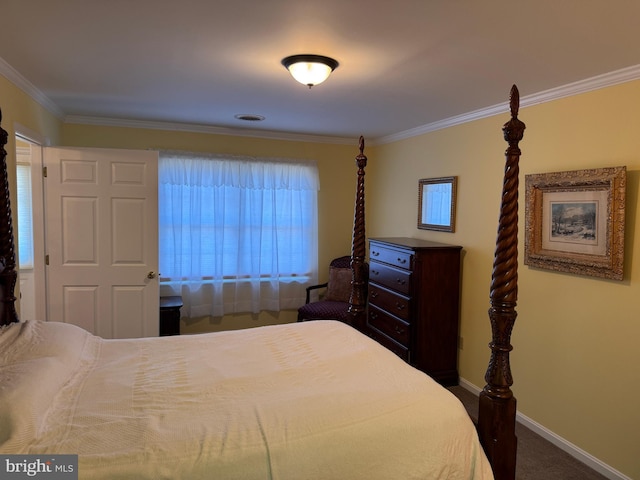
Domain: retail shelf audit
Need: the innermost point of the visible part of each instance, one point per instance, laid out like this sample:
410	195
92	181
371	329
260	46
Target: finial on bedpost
357	299
514	101
513	130
497	412
8	274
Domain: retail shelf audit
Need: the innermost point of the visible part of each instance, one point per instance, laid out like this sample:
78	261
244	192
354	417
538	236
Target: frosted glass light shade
310	70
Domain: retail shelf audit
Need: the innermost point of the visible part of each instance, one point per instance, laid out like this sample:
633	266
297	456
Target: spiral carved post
357	300
8	274
497	408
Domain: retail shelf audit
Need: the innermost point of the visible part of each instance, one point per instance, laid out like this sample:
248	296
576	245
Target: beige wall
576	362
337	169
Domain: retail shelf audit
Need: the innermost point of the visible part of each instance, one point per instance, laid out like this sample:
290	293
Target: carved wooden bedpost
8	274
497	409
357	300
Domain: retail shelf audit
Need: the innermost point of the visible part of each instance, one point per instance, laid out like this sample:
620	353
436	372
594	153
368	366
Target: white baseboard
576	452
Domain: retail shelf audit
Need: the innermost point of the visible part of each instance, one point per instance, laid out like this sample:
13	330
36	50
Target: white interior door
102	240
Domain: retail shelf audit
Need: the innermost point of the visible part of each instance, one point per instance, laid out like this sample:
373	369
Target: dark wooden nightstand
170	315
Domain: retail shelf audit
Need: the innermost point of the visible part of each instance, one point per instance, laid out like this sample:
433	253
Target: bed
310	400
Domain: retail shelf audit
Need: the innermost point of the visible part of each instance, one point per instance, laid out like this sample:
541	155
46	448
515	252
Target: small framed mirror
437	203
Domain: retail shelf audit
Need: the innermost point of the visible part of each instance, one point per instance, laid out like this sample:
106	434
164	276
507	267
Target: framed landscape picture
575	221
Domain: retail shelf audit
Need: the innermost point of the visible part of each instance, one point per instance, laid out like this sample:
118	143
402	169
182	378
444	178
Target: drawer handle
400	306
399	330
374	253
400	281
401	260
375	272
374	294
373	315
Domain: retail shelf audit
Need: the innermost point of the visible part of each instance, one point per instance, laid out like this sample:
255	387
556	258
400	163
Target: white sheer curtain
237	234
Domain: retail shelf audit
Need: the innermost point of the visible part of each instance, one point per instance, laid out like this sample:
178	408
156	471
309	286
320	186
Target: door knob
151	274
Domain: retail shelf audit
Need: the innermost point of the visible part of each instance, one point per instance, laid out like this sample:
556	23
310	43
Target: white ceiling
403	64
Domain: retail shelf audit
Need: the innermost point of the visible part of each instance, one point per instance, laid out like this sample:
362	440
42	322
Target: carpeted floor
537	458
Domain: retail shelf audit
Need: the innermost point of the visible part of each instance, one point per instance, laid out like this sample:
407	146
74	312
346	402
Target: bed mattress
313	400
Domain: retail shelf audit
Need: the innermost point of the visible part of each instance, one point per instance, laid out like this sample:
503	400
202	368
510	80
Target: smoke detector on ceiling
249	117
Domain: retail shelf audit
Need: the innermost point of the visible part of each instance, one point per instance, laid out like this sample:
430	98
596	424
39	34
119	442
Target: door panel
79	231
127	229
128	302
102	240
80	304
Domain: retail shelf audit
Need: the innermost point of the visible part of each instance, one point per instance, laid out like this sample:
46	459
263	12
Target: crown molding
27	87
197	128
594	83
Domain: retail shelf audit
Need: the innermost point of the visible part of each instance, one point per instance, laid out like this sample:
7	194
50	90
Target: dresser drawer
390	256
395	347
398	280
390	301
389	325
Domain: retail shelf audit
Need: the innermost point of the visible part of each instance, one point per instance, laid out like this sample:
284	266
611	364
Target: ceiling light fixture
310	70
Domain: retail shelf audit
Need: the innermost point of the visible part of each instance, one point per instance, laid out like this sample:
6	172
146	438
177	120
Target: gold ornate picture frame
575	221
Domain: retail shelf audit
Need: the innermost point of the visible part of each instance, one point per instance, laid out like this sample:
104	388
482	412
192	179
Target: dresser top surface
173	301
413	243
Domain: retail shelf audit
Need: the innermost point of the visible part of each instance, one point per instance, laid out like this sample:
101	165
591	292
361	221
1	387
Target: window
25	217
237	234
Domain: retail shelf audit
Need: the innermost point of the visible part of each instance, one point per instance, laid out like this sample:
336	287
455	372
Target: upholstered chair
334	304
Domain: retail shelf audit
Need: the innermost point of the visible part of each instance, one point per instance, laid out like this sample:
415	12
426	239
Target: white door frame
40	284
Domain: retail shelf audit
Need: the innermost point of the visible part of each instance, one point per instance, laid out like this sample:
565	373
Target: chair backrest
341	262
340	276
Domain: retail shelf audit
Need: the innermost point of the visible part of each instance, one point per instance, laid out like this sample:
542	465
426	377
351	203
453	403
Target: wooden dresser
414	298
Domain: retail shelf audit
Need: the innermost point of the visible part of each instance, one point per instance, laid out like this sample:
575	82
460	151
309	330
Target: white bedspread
312	400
